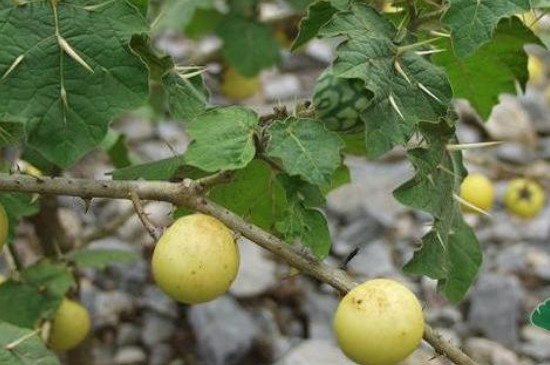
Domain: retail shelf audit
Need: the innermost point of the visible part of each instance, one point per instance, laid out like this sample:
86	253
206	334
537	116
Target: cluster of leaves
60	90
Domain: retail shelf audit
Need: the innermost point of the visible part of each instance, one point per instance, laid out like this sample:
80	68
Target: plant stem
188	194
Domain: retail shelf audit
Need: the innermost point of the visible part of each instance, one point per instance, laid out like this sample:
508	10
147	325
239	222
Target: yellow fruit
70	326
196	259
536	69
379	322
477	190
238	87
524	198
4	227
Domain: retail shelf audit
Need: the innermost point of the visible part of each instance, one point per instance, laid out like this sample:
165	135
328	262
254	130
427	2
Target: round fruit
339	102
238	87
477	190
379	322
196	259
524	198
70	326
4	226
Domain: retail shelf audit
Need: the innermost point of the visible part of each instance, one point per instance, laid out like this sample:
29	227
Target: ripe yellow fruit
4	227
238	87
477	190
196	259
70	326
524	198
379	322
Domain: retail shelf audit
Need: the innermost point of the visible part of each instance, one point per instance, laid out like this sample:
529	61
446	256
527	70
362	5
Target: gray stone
371	190
282	87
155	300
446	316
127	334
156	329
315	352
356	234
487	352
134	129
516	153
131	355
537	343
320	308
373	260
225	332
495	307
160	354
257	276
109	306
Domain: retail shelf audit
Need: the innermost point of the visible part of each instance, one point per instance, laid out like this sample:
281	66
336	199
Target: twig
149	226
206	183
188	195
14	258
111	227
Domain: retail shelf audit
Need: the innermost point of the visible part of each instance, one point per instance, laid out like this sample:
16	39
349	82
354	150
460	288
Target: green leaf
303	221
247	8
450	252
141	5
472	22
187	96
255	194
101	258
29	349
222	139
115	146
247	44
158	170
541	315
49	277
37	296
176	14
318	13
12	130
496	66
305	148
421	92
204	21
18	206
299	4
68	104
24	305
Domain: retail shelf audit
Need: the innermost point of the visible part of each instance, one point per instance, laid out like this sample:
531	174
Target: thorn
394	105
440	240
452	173
349	257
97	6
430	179
432	51
87	204
469	205
471	146
400	71
13	66
440	34
413	46
72	53
63	93
425	89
